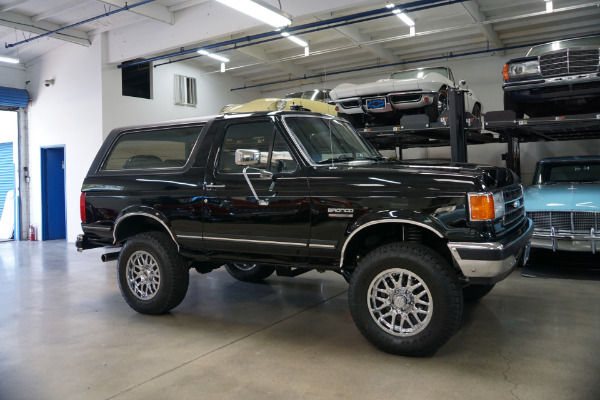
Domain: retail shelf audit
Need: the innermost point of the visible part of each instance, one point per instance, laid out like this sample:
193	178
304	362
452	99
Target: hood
451	176
431	82
563	197
491	176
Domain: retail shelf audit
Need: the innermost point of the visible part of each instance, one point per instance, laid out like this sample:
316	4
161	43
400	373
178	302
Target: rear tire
153	277
405	299
253	273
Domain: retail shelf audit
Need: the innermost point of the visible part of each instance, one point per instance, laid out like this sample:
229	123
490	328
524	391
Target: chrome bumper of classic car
566	242
492	261
550	82
386	103
566	230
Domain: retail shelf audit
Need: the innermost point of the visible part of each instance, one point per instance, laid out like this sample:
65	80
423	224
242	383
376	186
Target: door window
260	137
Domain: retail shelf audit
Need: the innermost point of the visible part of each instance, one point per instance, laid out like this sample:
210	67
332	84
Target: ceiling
444	29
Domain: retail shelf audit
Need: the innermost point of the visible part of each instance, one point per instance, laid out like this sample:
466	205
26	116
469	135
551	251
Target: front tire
253	273
405	299
439	105
152	275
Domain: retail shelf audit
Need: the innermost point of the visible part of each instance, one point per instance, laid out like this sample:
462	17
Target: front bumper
491	262
386	103
544	89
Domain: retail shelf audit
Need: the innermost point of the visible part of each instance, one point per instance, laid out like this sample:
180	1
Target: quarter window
160	148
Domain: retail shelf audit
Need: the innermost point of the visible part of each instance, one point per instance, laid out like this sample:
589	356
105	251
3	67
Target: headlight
281	104
521	69
486	206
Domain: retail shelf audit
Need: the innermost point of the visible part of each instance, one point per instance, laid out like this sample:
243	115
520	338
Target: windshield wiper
336	159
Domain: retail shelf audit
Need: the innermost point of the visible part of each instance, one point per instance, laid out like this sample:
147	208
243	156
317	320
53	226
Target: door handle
213	186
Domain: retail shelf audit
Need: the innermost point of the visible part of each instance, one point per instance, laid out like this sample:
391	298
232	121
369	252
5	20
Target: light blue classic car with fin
564	203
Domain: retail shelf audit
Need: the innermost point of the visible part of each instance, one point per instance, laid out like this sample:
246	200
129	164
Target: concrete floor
66	333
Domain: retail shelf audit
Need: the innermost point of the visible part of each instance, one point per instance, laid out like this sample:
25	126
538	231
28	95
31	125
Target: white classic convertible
413	91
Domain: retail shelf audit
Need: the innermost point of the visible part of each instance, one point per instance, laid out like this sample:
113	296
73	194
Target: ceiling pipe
301	29
316	27
464	54
127	7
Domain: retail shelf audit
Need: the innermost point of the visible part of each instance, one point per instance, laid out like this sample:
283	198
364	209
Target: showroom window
161	148
184	91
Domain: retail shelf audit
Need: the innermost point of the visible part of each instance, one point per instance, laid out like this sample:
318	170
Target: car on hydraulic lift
556	78
412	91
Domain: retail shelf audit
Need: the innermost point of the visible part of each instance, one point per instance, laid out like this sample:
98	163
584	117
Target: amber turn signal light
482	207
505	72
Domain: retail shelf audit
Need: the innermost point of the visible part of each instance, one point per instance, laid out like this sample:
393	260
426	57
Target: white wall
85	104
68	114
12	76
214	91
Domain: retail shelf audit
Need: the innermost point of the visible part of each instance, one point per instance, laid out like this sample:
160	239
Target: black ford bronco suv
293	191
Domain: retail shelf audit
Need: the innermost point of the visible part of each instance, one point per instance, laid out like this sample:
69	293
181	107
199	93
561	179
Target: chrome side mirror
247	157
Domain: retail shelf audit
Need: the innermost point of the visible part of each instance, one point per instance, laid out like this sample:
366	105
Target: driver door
251	217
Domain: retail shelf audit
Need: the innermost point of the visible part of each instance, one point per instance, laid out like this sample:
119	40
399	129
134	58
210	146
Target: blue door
53	194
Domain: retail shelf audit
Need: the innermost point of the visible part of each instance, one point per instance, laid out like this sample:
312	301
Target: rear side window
157	148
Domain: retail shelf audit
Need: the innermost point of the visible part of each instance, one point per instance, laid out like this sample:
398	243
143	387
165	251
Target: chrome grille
513	195
569	61
565	221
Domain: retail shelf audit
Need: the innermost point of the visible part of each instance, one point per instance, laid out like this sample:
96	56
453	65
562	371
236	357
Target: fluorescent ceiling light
9	60
215	56
260	11
294	39
405	18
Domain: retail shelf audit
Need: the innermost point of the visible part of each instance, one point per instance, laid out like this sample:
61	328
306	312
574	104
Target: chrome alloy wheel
400	302
143	275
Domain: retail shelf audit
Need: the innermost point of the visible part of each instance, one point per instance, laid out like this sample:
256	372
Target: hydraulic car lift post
456	120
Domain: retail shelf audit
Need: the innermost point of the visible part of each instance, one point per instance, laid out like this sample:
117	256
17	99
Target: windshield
418	73
567	173
328	140
565	44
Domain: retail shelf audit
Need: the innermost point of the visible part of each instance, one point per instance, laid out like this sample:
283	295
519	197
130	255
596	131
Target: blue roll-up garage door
12	99
7	172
